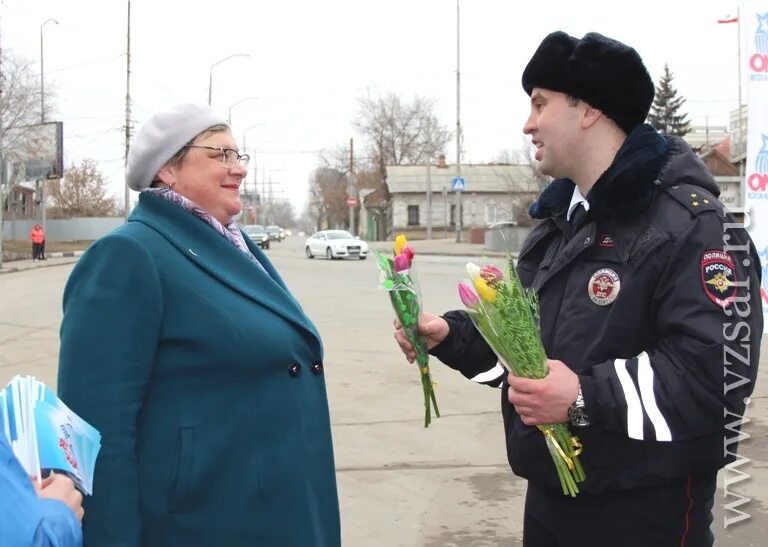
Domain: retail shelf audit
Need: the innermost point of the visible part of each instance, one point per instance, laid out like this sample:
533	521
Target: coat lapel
219	258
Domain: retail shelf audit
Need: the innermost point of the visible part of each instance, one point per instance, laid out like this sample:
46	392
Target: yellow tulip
400	242
486	292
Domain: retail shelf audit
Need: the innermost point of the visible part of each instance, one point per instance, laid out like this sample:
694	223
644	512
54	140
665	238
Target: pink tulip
491	274
468	296
409	252
402	264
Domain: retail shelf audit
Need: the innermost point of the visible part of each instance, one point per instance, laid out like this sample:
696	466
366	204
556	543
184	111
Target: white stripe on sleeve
634	407
496	374
645	379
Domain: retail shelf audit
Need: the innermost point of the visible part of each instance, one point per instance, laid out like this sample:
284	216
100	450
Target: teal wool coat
205	378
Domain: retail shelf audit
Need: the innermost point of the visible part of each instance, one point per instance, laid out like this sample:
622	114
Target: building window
413	215
490	213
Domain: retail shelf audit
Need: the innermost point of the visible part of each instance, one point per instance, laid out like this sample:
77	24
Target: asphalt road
399	484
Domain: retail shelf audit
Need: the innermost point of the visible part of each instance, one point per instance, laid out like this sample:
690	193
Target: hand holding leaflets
46	435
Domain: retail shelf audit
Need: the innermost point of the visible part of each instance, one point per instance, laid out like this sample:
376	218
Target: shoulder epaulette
694	198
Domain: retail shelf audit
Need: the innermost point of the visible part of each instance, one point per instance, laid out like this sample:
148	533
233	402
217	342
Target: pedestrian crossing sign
458	184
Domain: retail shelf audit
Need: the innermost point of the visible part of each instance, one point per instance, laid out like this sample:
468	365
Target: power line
87	63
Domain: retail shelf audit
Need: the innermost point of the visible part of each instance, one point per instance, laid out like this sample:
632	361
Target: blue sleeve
27	520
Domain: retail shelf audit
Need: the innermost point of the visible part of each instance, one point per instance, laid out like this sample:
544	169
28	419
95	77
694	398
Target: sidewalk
441	247
52	259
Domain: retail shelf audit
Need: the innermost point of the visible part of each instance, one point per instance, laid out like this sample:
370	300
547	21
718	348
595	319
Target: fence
505	237
71	229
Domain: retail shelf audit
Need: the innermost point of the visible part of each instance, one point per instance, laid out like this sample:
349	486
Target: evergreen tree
665	112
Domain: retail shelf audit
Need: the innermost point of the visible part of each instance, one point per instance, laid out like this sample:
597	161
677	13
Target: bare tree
525	156
19	105
523	189
365	175
327	193
81	193
336	158
282	214
399	132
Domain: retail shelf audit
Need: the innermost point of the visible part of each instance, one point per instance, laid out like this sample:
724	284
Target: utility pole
269	200
128	114
429	197
350	186
263	201
458	126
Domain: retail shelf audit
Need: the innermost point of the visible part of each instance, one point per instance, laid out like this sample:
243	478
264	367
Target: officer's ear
590	116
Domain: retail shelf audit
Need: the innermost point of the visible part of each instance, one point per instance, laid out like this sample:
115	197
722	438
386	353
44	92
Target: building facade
422	196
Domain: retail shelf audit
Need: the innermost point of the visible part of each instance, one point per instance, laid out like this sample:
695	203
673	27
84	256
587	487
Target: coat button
587	241
317	367
294	369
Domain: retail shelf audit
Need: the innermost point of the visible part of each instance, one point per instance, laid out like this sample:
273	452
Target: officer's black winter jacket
666	366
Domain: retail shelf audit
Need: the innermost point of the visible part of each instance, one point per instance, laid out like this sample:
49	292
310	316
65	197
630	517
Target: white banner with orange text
754	21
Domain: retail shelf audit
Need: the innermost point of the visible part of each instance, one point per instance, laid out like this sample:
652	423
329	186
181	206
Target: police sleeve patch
718	275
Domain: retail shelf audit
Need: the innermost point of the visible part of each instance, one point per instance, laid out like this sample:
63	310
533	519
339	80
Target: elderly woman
182	345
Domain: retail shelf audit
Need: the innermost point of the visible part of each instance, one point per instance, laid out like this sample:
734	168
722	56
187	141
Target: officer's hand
433	327
61	487
544	401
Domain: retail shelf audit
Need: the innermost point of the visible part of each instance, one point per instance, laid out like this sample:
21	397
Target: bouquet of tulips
507	316
398	279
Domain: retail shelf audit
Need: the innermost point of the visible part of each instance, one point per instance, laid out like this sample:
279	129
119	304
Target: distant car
274	233
258	235
335	244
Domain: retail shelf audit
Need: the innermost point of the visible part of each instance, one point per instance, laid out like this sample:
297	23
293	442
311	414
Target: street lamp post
42	71
252	197
245	131
229	115
210	72
269	213
42	115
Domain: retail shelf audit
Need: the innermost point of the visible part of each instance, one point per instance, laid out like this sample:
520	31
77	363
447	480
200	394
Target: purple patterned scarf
230	232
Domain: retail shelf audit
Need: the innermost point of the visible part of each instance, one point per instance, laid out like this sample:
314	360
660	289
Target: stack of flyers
46	436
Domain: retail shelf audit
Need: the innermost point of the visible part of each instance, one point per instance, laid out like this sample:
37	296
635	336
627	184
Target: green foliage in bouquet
507	316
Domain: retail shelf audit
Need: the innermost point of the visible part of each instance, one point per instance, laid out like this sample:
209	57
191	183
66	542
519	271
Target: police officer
650	312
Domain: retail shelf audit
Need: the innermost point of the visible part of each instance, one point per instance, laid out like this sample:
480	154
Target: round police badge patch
604	287
718	275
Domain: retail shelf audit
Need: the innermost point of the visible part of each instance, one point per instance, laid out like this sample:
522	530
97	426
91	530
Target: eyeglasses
229	156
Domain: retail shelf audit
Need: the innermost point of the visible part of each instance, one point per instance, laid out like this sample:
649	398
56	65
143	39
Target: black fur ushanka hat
601	71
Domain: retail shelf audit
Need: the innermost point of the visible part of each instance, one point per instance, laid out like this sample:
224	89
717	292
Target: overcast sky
310	59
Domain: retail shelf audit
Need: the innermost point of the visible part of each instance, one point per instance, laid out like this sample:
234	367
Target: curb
70	254
493	254
451	252
65	254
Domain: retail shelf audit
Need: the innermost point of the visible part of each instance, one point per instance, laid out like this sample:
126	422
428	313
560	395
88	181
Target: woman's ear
167	175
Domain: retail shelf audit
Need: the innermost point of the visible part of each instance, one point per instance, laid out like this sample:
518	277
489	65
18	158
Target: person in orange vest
37	235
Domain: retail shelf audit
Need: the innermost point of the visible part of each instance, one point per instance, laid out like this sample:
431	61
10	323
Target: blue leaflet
46	434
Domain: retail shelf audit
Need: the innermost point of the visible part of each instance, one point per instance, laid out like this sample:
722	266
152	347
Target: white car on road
335	244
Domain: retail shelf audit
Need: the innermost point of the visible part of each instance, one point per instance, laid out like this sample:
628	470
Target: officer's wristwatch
577	412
